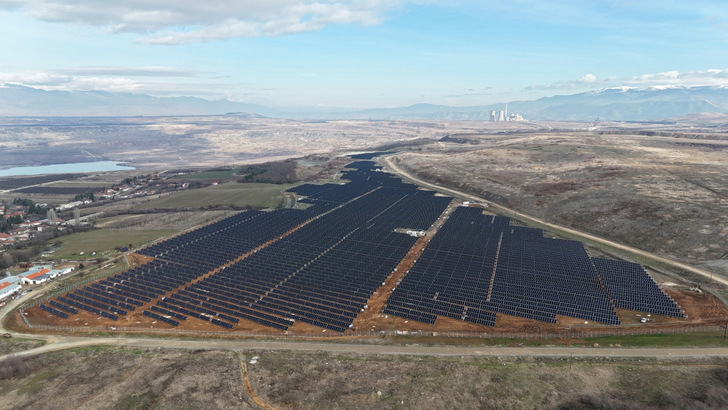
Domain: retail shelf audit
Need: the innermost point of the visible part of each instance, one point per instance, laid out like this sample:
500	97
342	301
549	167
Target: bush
12	366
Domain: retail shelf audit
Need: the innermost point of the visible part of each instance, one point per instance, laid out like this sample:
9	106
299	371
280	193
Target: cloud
138	80
711	77
185	21
589	78
672	78
586	81
154	71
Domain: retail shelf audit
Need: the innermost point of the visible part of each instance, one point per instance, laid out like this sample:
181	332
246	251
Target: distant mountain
610	104
623	104
17	100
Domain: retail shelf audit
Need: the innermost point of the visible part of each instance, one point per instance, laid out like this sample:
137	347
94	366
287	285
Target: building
36	278
6	239
8	289
40	274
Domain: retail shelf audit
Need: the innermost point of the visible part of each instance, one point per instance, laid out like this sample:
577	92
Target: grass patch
80	184
218	174
253	195
102	240
17	344
704	339
708	339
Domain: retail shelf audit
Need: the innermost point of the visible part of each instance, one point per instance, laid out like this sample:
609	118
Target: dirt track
56	343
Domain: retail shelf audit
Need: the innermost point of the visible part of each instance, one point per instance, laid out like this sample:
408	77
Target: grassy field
232	193
102	240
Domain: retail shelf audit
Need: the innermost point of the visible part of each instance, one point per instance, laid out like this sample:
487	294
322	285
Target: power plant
502	115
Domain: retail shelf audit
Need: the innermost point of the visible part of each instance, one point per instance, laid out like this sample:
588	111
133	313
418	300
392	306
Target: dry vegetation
110	378
116	378
666	195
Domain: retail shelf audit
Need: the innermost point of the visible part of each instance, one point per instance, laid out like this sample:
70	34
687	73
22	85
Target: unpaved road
585	236
67	342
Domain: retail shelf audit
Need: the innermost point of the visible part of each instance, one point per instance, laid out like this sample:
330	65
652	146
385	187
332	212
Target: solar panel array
630	287
335	254
370	155
179	261
323	273
478	265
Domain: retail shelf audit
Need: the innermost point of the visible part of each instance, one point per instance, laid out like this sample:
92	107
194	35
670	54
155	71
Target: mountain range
618	104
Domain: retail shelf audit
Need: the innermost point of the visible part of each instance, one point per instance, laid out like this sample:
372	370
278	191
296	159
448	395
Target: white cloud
137	80
589	78
711	77
587	81
673	78
185	21
152	71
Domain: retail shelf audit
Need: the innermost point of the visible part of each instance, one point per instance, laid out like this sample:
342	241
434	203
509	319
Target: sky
362	53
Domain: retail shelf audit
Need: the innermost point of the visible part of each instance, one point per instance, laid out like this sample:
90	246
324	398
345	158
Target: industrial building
502	115
8	289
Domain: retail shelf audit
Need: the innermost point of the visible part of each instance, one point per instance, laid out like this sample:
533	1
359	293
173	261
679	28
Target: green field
232	193
221	174
102	240
80	184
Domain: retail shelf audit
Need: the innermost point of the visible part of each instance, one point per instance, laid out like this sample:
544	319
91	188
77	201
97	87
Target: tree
8	259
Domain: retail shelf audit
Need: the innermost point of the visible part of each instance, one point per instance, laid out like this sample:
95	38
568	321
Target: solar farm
350	262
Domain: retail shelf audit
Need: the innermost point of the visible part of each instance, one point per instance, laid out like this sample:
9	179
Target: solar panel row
630	287
480	261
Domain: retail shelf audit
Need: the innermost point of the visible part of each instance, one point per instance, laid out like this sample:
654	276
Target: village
28	228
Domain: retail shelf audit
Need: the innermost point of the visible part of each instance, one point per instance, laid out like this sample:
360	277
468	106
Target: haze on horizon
362	53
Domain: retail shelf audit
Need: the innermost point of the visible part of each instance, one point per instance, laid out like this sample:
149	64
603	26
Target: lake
75	167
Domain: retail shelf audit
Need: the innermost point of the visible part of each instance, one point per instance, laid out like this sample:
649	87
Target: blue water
98	166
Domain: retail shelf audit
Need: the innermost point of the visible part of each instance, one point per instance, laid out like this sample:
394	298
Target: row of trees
33	208
279	172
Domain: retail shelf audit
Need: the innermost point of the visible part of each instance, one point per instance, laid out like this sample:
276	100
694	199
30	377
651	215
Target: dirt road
519	215
56	343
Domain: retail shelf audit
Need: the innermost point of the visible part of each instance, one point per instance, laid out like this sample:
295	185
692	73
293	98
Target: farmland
103	241
230	194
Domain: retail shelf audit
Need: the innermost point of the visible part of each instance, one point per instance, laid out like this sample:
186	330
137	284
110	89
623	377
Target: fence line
74	285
